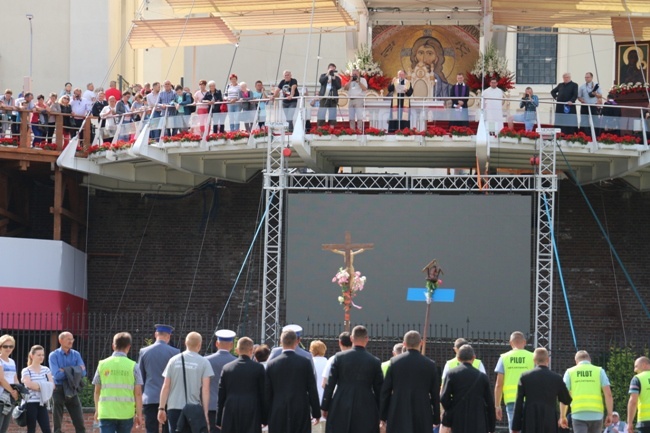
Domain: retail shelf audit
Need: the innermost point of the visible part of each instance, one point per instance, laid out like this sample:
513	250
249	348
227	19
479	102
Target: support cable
604	233
611	258
241	270
559	271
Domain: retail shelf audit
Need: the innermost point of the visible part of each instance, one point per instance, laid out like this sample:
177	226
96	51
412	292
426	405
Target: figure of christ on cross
348	250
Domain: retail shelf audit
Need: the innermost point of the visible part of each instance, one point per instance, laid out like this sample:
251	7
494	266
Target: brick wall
164	270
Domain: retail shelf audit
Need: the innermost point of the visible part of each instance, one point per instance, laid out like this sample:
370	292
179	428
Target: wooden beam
12	216
70	215
25	133
58	203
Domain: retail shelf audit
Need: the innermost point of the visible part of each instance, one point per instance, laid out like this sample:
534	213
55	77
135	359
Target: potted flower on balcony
98	151
578	139
631	142
461	133
46	145
260	135
237	137
608	141
374	134
321	132
508	135
345	133
529	137
407	134
216	139
435	133
9	141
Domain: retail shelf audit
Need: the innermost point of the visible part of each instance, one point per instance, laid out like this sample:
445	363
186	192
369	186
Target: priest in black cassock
357	377
566	94
459	93
291	391
410	400
241	407
537	395
467	397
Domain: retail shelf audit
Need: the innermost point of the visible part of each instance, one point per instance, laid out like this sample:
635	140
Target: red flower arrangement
182	137
376	132
122	145
578	137
408	132
260	133
10	141
326	130
236	135
606	138
216	136
532	135
45	145
97	148
510	133
435	131
461	131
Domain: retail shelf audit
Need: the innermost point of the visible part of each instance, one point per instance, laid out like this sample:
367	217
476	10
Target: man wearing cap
617	426
454	362
225	341
152	362
291	390
277	351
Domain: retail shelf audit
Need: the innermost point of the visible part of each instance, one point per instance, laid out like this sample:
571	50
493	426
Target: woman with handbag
8	377
36	378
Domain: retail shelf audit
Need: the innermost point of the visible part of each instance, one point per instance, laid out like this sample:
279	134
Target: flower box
638	147
219	142
190	143
261	140
9	145
462	137
97	155
375	137
513	140
169	144
435	138
609	146
525	140
406	137
238	141
575	144
351	137
321	137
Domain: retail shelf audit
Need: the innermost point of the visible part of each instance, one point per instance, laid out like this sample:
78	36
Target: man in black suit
566	94
330	83
541	388
291	390
357	377
410	400
241	407
459	93
467	397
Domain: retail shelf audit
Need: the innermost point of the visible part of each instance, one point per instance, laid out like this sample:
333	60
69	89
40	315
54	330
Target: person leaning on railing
7	116
66	110
39	120
213	95
53	107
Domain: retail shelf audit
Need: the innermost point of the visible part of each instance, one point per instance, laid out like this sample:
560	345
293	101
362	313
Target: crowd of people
240	103
289	389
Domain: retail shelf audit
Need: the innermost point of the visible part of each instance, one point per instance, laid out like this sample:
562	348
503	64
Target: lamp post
31	45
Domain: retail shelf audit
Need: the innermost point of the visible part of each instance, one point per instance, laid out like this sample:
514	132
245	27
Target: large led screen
482	243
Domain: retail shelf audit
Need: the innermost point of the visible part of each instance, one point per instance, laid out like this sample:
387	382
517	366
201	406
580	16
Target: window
536	56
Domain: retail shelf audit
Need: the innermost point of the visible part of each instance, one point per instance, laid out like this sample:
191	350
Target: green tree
620	370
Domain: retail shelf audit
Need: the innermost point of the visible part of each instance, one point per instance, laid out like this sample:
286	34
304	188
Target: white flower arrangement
490	64
364	63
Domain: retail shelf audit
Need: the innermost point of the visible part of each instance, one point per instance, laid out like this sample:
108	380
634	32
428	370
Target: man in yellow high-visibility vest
455	362
118	389
639	397
509	368
587	384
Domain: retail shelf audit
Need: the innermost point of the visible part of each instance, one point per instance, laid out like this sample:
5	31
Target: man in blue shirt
63	357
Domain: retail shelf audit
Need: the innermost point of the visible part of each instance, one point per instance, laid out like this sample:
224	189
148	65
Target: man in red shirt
113	91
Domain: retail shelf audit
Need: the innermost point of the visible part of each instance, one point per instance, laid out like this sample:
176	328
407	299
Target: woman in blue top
529	103
33	376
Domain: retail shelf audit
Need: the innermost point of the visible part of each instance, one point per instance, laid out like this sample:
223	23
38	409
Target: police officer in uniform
639	397
509	368
455	362
587	385
225	341
152	362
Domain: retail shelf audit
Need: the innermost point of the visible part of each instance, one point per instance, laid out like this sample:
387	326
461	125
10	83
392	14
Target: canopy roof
623	32
168	32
